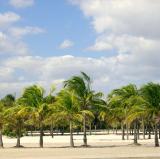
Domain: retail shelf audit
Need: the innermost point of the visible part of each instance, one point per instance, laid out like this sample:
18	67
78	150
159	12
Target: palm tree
81	85
67	108
151	93
119	105
136	113
1	123
33	97
15	117
8	100
50	117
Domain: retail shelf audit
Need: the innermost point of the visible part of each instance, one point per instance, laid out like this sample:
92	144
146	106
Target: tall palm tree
81	85
33	97
151	93
67	108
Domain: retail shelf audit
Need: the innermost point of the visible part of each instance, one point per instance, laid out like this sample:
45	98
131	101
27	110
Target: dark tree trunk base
21	146
85	146
135	144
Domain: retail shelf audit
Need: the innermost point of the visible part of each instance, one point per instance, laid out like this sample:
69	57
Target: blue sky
46	42
61	21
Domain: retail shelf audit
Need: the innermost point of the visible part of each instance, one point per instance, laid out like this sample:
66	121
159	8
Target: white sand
101	146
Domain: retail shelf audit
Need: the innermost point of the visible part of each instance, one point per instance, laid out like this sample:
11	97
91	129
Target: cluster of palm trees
77	105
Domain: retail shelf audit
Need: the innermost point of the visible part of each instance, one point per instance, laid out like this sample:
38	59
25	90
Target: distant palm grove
78	108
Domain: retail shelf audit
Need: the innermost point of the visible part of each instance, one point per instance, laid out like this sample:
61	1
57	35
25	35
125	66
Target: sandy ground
101	147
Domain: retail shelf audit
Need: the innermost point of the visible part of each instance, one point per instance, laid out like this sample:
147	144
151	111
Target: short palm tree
33	97
1	123
137	112
67	108
118	103
15	117
151	93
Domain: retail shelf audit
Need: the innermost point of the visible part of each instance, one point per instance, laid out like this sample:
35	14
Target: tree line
77	107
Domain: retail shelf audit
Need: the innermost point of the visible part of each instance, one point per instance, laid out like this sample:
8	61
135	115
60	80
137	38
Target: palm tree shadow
81	146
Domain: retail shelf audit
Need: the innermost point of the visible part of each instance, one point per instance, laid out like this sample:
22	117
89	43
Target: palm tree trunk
123	131
18	141
135	132
116	129
149	133
138	131
146	130
84	131
127	132
95	128
1	140
156	136
71	135
41	136
143	127
52	128
108	130
90	128
18	135
159	131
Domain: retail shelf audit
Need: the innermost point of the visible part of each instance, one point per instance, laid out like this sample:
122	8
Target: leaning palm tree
151	93
81	85
33	97
67	108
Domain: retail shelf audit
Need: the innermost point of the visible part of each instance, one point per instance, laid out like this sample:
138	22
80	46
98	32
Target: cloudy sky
116	42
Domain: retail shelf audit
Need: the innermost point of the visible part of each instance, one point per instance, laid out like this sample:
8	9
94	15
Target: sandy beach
100	147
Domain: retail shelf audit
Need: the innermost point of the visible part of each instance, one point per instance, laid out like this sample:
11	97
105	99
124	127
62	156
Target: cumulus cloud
138	18
130	29
9	46
21	3
11	36
107	72
50	70
66	44
8	18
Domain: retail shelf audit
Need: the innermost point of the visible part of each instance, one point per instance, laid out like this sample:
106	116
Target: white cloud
11	36
107	72
66	44
50	70
128	28
6	74
19	32
138	18
11	46
8	18
21	3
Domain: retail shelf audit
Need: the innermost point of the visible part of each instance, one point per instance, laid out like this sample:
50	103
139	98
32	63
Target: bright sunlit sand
101	146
